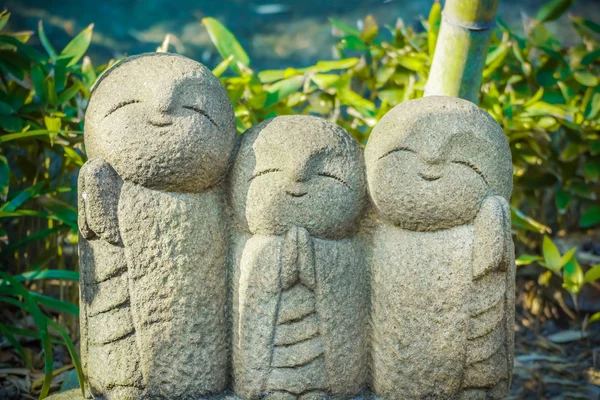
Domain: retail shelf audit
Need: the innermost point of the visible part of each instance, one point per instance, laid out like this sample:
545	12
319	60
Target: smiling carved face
298	171
162	121
432	161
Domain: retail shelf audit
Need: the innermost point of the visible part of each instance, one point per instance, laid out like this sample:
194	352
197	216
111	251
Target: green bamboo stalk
461	49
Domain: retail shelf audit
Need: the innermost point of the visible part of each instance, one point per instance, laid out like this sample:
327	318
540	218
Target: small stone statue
442	288
160	133
300	287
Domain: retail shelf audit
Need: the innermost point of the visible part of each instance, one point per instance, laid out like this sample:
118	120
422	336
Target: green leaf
4	16
282	89
563	199
592	274
226	43
590	57
56	304
68	94
76	48
32	237
586	78
72	352
590	218
523	221
553	10
573	278
25	134
42	326
88	72
327	66
45	42
15	343
568	256
551	255
594	318
435	20
526	259
370	29
22	197
4	177
222	67
48	274
52	123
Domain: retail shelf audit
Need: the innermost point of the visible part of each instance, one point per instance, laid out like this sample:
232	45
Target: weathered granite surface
442	266
300	287
272	273
159	133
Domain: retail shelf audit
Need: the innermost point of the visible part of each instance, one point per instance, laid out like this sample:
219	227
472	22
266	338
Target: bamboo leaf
526	259
592	274
56	304
222	67
22	197
553	10
48	274
435	20
523	221
4	17
551	255
370	29
72	352
45	42
42	325
590	218
226	43
590	57
76	48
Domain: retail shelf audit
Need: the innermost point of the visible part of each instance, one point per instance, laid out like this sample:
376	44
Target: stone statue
442	268
159	133
300	287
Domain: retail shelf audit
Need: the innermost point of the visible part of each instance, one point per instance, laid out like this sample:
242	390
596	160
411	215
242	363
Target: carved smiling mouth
429	178
296	194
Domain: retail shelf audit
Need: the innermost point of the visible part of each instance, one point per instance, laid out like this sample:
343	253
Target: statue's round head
162	121
431	162
298	171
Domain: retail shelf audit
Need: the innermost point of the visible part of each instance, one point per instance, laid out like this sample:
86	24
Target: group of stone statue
286	262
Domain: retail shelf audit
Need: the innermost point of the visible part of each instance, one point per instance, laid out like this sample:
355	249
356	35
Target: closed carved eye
337	178
474	168
397	149
120	105
202	112
264	172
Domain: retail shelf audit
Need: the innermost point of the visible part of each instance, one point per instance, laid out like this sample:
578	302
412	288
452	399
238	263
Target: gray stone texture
160	133
442	266
300	286
272	274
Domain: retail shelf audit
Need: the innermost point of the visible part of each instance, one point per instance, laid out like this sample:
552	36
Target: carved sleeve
99	190
492	235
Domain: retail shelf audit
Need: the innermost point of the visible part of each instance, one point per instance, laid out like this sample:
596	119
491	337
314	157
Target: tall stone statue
159	133
300	287
442	267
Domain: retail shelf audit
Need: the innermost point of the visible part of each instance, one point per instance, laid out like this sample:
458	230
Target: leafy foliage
42	102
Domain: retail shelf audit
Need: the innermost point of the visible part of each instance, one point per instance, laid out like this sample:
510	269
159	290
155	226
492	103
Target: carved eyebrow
474	168
401	148
263	172
119	105
201	111
328	175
